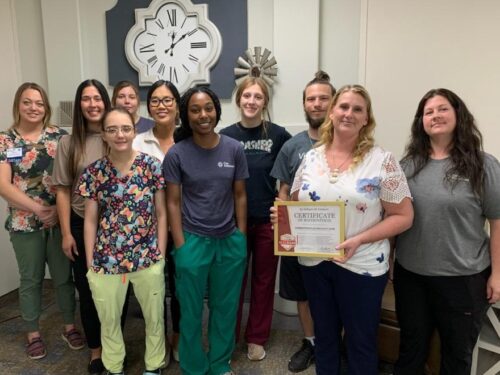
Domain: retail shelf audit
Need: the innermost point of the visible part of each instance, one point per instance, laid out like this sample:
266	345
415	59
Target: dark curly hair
466	156
185	131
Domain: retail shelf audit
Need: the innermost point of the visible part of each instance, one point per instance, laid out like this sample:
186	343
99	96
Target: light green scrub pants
108	293
220	263
32	250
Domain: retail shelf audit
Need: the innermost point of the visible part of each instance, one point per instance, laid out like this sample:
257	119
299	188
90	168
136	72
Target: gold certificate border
280	251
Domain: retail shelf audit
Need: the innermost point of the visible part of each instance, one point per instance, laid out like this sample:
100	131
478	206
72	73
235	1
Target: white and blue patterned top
377	178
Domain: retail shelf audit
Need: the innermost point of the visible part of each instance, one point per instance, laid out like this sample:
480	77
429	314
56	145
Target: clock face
174	44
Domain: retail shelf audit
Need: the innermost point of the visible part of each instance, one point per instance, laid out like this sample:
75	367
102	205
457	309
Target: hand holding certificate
309	229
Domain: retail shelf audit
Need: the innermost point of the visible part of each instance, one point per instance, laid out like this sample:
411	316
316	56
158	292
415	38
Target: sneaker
152	372
303	358
36	348
95	366
256	352
114	373
74	339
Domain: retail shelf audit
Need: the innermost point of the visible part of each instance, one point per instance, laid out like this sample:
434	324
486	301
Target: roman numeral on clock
153	60
172	16
173	75
199	45
193	58
161	69
160	24
147	48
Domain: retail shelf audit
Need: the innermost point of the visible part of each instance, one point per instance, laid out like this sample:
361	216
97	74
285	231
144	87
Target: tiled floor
285	340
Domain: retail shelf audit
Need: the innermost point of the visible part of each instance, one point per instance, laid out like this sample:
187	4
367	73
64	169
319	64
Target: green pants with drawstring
220	264
33	250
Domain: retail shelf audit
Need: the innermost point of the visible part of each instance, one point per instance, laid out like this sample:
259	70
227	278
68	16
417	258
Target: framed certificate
310	229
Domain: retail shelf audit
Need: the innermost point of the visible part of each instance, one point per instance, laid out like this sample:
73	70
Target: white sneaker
256	352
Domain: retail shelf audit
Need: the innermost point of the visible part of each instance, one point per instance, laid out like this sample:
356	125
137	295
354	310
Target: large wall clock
173	40
230	17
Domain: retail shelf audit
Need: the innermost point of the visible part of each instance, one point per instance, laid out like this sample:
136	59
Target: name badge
14	154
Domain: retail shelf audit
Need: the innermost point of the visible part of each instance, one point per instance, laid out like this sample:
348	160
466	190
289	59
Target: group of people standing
127	200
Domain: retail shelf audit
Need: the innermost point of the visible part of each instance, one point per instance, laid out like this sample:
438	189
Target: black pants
454	305
175	309
88	313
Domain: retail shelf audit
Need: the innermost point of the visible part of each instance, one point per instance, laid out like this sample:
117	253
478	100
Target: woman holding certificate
345	293
447	269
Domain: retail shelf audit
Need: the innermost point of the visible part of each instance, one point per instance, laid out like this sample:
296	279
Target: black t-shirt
261	149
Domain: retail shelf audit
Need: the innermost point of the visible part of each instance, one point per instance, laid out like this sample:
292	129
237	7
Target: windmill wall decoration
256	63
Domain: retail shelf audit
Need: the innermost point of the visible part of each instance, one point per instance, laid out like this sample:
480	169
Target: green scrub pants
220	264
32	250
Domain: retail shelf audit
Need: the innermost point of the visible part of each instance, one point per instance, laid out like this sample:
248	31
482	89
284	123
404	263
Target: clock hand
171	48
172	44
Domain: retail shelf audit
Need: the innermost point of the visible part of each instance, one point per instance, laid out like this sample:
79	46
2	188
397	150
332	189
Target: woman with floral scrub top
74	153
125	240
27	151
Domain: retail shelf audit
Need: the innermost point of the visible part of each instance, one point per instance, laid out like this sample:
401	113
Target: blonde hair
250	81
17	101
365	140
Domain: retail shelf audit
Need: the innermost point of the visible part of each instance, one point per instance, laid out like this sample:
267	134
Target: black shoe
302	359
95	366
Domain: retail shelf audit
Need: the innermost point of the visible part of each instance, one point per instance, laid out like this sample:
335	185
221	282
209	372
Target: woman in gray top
447	268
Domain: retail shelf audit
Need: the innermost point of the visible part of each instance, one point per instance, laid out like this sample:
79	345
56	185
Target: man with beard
316	97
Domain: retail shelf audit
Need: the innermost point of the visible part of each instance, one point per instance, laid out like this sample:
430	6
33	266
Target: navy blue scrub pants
338	299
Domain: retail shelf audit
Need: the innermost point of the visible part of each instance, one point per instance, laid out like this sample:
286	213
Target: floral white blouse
377	178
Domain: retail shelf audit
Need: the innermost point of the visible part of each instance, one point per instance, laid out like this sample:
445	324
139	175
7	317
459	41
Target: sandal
36	348
74	339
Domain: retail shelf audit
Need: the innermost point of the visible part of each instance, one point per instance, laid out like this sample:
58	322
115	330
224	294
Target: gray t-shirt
290	156
207	178
448	237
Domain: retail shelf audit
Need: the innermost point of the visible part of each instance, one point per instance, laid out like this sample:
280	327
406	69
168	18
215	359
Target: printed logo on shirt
225	164
261	145
301	155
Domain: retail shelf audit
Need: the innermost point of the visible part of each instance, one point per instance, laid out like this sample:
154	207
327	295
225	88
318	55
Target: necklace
335	172
311	140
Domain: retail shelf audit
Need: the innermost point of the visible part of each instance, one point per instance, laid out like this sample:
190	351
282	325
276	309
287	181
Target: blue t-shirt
290	157
206	177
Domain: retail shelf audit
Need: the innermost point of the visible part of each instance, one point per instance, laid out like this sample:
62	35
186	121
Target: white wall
414	46
11	78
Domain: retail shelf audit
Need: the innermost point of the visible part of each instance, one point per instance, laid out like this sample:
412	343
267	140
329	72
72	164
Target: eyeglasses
167	101
125	129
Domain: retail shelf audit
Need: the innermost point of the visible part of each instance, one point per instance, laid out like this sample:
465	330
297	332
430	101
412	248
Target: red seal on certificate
287	241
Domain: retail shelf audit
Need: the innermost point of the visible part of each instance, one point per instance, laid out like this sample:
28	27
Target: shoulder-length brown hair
246	83
17	101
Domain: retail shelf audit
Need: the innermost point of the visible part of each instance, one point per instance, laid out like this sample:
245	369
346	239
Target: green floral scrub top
31	164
